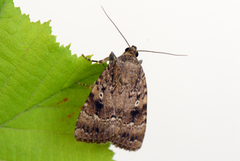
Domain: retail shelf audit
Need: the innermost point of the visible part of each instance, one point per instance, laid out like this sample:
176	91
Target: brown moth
116	109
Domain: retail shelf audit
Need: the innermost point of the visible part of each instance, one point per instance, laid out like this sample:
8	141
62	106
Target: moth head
132	51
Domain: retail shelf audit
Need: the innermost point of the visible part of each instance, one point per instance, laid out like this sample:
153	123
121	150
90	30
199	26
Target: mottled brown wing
116	109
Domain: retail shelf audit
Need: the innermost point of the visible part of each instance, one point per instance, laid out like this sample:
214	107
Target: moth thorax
132	50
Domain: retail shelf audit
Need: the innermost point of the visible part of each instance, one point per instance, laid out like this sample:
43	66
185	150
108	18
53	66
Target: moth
116	109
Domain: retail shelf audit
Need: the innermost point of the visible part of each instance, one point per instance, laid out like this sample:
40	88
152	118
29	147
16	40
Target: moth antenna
115	26
128	43
161	52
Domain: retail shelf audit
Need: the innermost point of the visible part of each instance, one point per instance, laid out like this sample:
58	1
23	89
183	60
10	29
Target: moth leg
110	58
89	86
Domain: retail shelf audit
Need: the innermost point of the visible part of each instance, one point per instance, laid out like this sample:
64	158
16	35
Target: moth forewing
116	108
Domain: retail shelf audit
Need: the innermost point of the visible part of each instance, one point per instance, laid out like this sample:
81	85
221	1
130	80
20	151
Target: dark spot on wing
97	130
132	138
99	107
134	113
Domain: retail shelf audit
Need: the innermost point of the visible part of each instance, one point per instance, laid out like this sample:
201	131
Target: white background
194	101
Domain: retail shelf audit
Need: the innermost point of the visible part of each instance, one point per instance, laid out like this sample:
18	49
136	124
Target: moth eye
137	103
126	49
136	54
101	95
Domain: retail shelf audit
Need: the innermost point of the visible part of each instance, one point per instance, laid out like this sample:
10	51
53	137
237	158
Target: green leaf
39	99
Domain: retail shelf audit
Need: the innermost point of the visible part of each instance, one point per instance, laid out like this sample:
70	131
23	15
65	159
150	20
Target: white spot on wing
137	103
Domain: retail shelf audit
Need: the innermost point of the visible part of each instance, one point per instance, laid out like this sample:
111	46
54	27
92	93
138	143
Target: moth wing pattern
116	109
